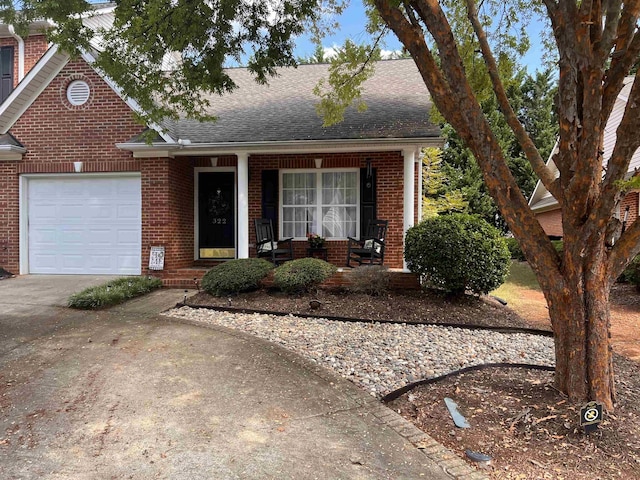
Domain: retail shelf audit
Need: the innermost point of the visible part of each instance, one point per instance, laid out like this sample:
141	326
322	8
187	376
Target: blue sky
353	23
352	26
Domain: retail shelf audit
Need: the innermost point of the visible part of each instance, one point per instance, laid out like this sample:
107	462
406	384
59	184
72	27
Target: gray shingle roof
284	110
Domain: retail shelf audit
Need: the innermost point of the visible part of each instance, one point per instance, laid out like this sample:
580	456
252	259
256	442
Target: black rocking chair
267	247
369	250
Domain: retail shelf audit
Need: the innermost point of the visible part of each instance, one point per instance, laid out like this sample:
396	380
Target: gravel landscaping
380	357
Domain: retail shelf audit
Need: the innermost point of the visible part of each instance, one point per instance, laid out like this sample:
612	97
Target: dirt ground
517	417
625	317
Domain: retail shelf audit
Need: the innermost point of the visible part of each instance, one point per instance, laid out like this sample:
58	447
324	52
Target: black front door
216	215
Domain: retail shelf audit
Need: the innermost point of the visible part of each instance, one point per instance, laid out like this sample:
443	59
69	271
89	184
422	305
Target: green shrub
372	280
457	252
558	245
235	276
302	274
114	292
631	274
515	250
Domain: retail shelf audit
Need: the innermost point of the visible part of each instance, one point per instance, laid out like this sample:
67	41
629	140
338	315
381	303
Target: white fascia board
133	105
294	146
11	152
11	119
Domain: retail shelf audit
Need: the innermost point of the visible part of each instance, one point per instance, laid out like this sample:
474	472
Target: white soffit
38	78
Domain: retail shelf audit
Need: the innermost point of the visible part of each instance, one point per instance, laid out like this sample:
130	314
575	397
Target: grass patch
520	277
113	292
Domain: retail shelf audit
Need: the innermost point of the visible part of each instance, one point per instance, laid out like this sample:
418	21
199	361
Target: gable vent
78	92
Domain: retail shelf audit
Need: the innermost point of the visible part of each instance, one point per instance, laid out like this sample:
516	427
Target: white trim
243	206
11	152
318	173
133	105
196	213
31	96
20	40
288	146
420	186
23	214
408	194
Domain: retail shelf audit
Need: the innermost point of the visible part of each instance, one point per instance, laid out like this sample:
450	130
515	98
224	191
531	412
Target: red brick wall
631	201
34	47
9	217
389	167
551	221
57	134
167	211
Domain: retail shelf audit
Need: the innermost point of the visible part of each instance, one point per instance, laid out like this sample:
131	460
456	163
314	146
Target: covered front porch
201	209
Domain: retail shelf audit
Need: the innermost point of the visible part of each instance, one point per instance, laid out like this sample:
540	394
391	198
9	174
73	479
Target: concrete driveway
125	393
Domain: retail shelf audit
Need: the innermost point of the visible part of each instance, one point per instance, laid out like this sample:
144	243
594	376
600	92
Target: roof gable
542	200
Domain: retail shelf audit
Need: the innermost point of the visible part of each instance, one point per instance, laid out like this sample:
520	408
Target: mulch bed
516	415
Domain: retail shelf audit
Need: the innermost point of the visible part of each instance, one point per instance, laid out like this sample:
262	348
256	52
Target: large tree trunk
576	284
579	312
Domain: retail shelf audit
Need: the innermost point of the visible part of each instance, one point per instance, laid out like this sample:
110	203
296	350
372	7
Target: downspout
20	41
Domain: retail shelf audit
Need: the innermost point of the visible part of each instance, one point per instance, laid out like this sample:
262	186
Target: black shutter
6	72
367	199
270	198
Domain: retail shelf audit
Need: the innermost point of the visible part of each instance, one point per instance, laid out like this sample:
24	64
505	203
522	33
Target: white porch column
409	193
243	205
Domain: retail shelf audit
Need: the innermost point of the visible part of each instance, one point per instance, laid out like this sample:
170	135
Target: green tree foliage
169	55
438	197
532	97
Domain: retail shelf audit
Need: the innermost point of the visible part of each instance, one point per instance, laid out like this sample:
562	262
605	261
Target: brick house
82	191
546	206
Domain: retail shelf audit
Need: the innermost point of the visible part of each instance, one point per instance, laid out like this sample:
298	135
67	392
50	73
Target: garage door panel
99	212
44	237
129	264
84	225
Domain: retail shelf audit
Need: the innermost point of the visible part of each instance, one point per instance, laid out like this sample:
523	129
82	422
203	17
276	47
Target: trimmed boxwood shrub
113	292
302	274
458	252
235	276
515	250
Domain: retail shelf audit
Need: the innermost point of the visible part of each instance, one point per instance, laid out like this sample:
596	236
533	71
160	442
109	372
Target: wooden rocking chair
267	247
369	250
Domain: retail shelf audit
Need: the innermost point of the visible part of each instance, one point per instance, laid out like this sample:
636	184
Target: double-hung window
323	202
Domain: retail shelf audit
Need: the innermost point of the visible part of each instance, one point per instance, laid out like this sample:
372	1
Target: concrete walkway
125	393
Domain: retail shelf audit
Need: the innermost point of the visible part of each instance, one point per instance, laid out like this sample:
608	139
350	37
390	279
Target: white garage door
84	225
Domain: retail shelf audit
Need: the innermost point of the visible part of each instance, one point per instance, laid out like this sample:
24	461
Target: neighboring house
81	192
546	206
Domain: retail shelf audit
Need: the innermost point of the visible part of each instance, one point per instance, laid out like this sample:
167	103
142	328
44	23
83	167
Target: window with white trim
323	202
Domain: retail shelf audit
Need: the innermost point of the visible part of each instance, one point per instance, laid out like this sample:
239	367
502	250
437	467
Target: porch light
318	162
214	161
625	218
77	167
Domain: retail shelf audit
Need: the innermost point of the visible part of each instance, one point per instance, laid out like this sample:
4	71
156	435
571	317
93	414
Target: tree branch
613	12
528	147
454	98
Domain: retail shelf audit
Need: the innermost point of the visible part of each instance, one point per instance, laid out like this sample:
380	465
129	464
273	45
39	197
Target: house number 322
219	221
